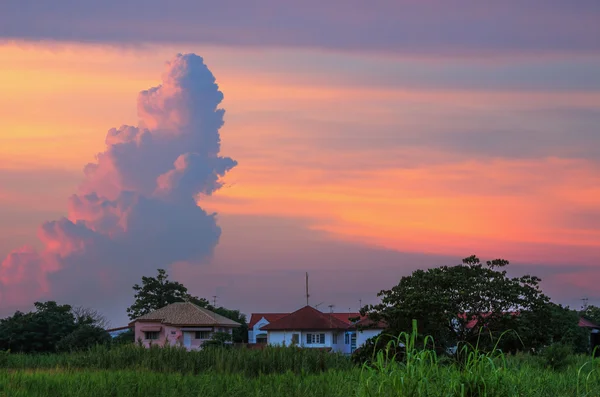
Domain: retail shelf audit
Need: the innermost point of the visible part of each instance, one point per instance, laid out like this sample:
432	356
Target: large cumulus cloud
136	208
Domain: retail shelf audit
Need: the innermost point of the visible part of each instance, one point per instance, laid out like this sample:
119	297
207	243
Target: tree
453	303
157	292
88	316
84	337
37	331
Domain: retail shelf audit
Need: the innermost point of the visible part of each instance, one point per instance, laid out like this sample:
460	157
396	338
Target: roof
306	318
583	322
270	317
187	314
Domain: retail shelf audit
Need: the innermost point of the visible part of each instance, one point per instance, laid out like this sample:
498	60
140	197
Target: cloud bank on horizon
136	208
435	26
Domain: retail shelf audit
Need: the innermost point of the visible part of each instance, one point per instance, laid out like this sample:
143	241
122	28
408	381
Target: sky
239	146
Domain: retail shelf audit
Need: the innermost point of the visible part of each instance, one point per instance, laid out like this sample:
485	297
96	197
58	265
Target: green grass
132	371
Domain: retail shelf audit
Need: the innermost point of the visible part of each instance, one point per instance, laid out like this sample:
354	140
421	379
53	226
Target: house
594	330
311	328
181	323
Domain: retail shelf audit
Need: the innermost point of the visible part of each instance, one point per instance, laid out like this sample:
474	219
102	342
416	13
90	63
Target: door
352	343
295	339
187	340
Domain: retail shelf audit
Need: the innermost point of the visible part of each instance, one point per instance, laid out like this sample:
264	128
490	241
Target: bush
84	337
557	356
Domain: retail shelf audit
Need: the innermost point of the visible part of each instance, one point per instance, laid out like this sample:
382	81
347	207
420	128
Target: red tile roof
270	317
307	318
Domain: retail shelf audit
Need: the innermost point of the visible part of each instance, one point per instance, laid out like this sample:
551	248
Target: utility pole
307	295
359	304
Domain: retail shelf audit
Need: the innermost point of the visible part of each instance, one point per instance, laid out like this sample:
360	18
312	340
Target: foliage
124	338
88	316
84	337
157	292
557	355
236	360
170	372
37	331
446	299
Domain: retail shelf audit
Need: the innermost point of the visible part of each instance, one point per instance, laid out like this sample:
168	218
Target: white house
311	328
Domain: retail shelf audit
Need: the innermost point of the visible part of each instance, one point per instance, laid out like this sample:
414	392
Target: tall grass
249	362
472	373
405	367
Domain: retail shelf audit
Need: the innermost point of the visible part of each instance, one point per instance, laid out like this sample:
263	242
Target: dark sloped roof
307	318
187	314
584	322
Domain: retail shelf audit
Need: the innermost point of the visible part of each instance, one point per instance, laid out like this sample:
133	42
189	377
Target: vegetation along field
475	332
285	371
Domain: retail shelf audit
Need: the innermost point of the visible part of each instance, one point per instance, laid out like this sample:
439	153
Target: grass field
131	371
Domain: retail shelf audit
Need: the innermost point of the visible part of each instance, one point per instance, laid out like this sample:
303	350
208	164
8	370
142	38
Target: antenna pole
215	301
307	295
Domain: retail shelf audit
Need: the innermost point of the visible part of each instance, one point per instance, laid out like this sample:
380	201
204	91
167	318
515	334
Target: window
334	338
152	335
315	339
202	334
347	338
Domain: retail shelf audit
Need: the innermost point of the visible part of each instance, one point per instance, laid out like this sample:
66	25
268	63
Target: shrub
557	355
84	337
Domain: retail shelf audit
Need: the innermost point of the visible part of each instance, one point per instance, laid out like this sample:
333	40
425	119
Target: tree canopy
43	329
453	304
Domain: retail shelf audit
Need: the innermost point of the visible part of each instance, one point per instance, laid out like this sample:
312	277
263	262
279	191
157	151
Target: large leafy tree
37	331
454	303
159	291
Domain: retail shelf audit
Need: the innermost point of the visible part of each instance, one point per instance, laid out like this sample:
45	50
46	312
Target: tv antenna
215	301
585	303
318	304
331	308
307	295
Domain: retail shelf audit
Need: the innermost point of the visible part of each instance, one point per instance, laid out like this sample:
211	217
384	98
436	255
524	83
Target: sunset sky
371	139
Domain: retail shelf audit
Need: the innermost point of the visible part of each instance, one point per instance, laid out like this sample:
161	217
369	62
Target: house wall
362	336
169	334
279	338
255	330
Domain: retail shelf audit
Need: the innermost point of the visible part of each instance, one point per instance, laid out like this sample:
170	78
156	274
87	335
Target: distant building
182	324
311	328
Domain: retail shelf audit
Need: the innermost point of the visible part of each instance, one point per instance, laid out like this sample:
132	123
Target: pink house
180	324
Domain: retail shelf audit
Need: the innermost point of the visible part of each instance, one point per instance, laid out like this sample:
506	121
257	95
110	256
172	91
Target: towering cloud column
136	208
